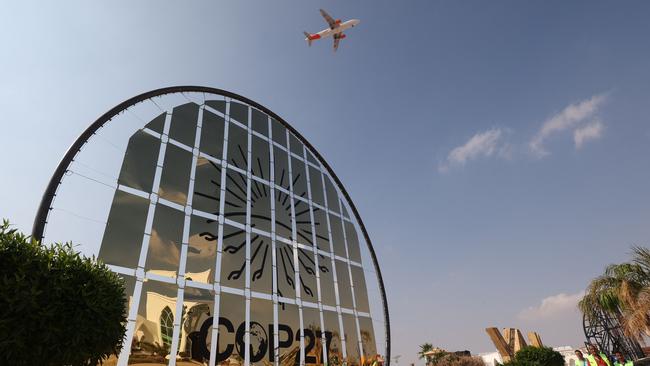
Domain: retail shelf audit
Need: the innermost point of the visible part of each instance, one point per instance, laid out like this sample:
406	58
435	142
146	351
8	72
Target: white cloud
482	144
592	131
552	307
570	117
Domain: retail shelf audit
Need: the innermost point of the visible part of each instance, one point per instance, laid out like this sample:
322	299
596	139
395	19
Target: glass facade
237	246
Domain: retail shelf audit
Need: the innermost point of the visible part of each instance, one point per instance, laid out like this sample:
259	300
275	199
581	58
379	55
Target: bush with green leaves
536	356
56	306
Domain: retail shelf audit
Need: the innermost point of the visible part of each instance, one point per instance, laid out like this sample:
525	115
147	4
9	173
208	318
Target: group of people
598	358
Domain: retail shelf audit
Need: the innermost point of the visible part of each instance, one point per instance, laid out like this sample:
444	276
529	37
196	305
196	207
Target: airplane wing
332	23
337	39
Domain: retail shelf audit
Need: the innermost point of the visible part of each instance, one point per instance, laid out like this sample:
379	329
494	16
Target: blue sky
497	151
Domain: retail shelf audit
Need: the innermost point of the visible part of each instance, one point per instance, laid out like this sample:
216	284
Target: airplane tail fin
308	38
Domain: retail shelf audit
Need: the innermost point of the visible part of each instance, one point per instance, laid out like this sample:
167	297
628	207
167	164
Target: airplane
335	30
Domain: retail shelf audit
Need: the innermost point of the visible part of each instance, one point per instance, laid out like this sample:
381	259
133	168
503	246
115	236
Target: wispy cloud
570	117
592	131
482	144
552	306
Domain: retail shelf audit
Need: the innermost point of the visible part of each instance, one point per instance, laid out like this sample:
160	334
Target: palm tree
623	291
424	348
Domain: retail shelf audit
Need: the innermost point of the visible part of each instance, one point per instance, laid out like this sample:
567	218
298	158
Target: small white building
494	358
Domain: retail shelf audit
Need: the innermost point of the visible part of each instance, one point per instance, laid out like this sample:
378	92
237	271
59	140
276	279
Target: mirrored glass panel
261	264
163	256
124	231
184	121
218	105
322	235
233	257
353	242
139	164
351	339
299	178
157	124
343	278
207	186
232	330
175	178
288	334
311	158
285	270
307	273
328	296
239	112
261	162
261	332
212	134
154	326
333	336
303	222
283	214
312	334
360	290
336	227
316	182
237	147
367	340
332	195
295	145
281	166
201	250
260	206
260	122
235	203
279	132
196	327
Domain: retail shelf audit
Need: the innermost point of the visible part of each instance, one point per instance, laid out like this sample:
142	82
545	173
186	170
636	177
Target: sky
497	151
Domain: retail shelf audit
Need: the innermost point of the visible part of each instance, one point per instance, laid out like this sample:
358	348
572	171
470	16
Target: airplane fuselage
340	29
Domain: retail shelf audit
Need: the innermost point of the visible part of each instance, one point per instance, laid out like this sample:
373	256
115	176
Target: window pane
316	183
260	206
233	259
353	242
360	290
202	250
260	122
237	147
261	159
124	231
303	222
239	112
281	166
261	264
196	324
175	175
139	164
235	205
219	105
279	132
351	339
333	334
312	334
307	273
183	124
282	214
295	145
328	296
288	334
343	278
207	186
286	270
332	195
212	134
367	338
232	327
261	332
157	124
322	236
164	252
299	178
337	235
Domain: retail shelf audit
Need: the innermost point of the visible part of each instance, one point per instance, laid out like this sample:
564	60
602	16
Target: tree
56	307
536	356
424	348
623	291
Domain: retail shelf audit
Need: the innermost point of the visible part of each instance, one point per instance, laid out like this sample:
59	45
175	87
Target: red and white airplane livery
335	30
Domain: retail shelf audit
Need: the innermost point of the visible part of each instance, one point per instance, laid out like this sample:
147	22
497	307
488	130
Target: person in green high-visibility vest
621	361
581	361
597	358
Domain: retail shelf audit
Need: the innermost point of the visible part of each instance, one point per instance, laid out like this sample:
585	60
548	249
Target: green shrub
56	307
536	356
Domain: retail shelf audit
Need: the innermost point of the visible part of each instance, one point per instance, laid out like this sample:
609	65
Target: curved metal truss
605	331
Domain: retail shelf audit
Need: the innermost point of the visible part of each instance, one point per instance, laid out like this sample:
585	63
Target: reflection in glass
285	270
129	285
261	332
239	112
232	328
328	296
157	124
343	279
261	264
335	350
312	334
260	158
196	326
183	126
260	206
367	339
237	147
201	250
353	242
311	158
307	275
281	166
279	132
235	205
233	259
207	186
299	178
303	222
320	223
260	122
212	134
219	105
360	290
124	231
156	313
139	164
316	183
175	175
288	334
164	252
295	145
332	195
351	339
282	214
336	227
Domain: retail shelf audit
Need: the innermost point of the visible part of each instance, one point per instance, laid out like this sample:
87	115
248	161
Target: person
597	358
581	358
620	360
